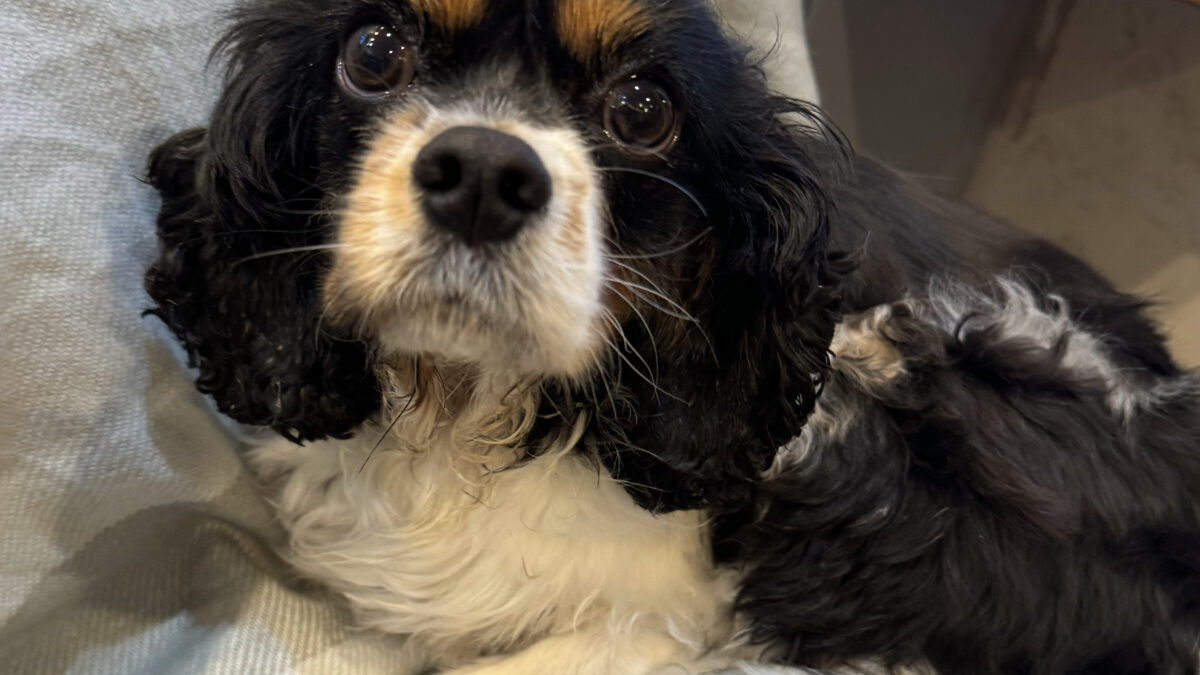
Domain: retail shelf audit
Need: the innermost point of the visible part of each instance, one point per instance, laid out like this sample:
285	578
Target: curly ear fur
252	325
728	395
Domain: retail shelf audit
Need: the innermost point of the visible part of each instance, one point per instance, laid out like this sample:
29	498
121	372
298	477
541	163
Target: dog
589	354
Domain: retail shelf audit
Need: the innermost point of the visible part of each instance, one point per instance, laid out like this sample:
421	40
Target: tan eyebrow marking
452	14
596	28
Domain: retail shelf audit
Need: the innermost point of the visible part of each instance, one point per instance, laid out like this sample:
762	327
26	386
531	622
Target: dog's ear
238	199
744	382
251	326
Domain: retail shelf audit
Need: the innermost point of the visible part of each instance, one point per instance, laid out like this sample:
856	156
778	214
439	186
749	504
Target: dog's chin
460	330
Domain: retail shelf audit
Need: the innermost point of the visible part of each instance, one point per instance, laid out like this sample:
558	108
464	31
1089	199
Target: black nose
481	184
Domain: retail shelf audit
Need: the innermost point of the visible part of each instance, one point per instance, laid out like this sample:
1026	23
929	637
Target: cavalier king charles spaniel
591	355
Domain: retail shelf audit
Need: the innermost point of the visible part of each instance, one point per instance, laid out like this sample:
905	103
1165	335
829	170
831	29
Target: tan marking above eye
596	28
452	14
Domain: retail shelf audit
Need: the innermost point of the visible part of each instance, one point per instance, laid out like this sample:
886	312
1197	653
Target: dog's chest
425	543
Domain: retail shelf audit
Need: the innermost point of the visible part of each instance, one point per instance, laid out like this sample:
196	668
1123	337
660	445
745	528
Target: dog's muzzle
474	236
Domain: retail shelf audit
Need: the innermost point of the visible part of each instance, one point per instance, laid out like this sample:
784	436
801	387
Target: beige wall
1100	151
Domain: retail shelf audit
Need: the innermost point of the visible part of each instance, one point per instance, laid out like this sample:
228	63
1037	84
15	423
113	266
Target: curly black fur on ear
727	395
250	319
252	327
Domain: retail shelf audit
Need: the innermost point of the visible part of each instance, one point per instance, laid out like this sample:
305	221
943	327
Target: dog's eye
640	115
376	61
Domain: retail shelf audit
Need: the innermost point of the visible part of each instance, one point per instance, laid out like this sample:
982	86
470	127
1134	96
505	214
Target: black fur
990	514
249	185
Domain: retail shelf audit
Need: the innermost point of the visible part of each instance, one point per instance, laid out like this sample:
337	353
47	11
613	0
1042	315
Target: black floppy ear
238	199
250	325
746	385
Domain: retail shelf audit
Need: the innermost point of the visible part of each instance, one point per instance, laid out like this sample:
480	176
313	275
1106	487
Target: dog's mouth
473	239
488	311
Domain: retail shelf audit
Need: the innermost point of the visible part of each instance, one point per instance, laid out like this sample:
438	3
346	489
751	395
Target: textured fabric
133	541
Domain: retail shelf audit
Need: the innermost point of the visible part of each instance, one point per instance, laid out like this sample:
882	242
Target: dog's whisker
678	313
650	256
649	332
328	213
612	400
386	433
648	295
612	320
646	378
626	446
658	291
604	379
664	179
287	251
237	233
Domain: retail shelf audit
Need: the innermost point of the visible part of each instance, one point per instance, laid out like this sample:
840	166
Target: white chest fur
474	562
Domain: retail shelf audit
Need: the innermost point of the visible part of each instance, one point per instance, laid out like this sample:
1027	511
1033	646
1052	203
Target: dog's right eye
376	61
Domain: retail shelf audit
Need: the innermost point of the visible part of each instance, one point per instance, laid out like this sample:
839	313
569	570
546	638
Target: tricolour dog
594	356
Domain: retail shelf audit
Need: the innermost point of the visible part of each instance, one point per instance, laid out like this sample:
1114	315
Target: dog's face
473	227
597	194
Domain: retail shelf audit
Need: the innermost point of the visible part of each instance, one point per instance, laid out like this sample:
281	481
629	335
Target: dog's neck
483	418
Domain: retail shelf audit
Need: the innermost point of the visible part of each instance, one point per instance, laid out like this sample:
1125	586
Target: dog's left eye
376	61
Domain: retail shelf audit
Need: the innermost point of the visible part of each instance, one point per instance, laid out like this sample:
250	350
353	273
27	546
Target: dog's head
600	195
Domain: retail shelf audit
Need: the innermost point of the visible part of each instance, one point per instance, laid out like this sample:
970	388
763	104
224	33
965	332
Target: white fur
549	563
1016	310
865	358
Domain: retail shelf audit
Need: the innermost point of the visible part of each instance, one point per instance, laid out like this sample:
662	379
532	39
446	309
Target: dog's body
573	352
